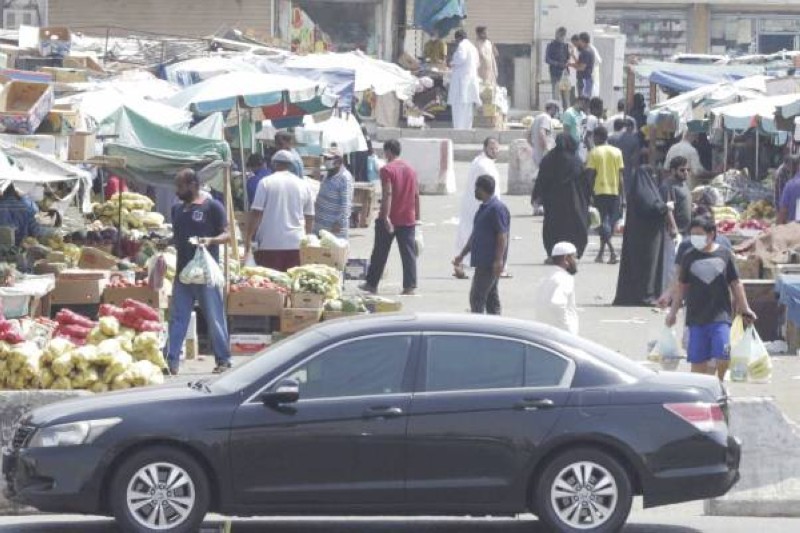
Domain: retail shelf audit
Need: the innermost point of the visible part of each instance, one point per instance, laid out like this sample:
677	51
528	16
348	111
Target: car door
343	441
482	406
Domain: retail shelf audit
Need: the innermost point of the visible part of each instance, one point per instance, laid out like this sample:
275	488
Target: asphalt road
626	330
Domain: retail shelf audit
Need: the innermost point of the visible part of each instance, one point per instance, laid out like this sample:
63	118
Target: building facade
659	29
17	13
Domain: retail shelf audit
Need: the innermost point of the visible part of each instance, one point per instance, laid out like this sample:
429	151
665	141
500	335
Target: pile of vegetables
121	350
760	210
326	240
134	210
257	274
316	279
9	332
345	304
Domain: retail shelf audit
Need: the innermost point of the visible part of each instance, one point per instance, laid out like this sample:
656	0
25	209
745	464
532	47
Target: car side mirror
287	391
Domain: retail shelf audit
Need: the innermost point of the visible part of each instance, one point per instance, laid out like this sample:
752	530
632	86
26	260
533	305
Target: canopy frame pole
758	142
241	156
724	150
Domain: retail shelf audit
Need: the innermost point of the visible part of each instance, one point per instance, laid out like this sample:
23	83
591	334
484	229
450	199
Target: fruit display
316	279
281	279
346	304
760	210
129	211
725	213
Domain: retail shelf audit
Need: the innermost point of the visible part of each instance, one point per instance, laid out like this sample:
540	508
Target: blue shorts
710	341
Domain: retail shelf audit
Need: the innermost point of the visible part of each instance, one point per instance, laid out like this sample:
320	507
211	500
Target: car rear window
610	359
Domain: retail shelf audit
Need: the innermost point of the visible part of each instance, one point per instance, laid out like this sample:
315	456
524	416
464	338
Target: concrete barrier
770	466
14	404
433	161
522	170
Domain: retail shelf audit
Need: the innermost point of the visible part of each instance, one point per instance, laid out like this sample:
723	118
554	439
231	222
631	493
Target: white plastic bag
667	346
202	270
249	260
750	359
594	218
419	241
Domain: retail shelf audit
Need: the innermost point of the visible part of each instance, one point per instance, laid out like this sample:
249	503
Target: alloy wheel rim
584	495
160	496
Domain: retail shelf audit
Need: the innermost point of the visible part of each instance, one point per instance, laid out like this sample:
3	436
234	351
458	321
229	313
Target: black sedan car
389	415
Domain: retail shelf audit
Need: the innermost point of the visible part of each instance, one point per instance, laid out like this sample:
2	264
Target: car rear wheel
160	489
583	490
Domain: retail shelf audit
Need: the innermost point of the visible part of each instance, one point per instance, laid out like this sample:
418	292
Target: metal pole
241	156
758	141
725	150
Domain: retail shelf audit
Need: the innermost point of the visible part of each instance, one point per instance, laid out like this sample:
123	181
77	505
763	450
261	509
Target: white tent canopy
380	76
745	115
345	132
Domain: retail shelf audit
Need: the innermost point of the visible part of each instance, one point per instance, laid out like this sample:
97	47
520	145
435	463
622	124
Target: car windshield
273	357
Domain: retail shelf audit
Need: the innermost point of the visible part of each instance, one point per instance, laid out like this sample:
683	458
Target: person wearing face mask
205	218
334	202
707	280
487	247
555	294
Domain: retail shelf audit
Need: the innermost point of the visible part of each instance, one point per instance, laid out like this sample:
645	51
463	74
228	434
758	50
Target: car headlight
72	433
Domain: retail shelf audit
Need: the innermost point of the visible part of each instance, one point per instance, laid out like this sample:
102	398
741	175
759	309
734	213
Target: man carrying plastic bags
199	226
706	280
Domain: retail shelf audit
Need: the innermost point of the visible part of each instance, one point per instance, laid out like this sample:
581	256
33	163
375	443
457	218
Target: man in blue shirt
285	141
488	246
204	218
335	198
258	171
19	213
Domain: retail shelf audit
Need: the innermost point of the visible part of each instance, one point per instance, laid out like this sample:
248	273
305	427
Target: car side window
543	368
473	363
363	367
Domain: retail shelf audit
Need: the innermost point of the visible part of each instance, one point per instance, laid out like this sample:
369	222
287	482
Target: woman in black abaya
563	190
640	271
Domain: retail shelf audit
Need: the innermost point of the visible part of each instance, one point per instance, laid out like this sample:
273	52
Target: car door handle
534	404
383	412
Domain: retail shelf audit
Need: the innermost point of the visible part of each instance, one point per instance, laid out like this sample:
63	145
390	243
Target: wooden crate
24	105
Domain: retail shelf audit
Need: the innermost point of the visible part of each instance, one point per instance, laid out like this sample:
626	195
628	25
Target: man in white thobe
555	294
487	57
464	92
483	165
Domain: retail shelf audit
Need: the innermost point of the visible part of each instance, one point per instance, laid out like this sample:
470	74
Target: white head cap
564	248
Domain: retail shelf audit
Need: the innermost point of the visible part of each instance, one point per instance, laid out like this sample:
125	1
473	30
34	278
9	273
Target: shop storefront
651	33
747	33
337	25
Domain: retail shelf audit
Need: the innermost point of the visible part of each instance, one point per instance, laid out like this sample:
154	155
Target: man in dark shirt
487	247
557	58
707	278
675	190
585	65
257	170
205	219
19	213
626	139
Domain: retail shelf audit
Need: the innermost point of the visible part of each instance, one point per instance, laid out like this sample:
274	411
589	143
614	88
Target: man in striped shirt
335	199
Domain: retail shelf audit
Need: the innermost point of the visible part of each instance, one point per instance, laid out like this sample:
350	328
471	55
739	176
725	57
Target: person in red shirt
398	218
115	185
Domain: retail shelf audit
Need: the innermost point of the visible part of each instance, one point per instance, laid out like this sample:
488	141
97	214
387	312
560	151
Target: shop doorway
769	43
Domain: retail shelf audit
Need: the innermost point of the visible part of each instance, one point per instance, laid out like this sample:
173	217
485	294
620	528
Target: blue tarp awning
438	16
688	81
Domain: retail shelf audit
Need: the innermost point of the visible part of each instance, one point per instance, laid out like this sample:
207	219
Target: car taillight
705	417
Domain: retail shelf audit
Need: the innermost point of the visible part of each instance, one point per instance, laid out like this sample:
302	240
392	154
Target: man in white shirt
555	295
541	136
464	91
280	216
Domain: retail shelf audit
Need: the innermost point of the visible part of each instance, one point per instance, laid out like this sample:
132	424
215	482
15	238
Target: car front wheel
583	490
160	489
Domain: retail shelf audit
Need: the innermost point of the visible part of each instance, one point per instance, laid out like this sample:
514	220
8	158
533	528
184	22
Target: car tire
580	487
182	492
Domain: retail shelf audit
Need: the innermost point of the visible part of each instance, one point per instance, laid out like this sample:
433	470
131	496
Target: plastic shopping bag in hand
202	270
419	242
667	346
750	359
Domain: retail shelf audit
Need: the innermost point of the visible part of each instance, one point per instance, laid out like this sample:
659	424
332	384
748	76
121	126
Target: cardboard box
335	257
294	320
67	75
52	145
79	274
307	300
249	344
24	105
146	295
256	302
84	63
81	146
94	259
333	315
60	122
55	41
78	292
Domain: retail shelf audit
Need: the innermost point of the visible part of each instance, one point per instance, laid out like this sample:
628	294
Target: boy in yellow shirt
605	164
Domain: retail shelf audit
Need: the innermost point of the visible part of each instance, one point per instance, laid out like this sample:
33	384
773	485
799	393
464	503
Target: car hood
113	403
